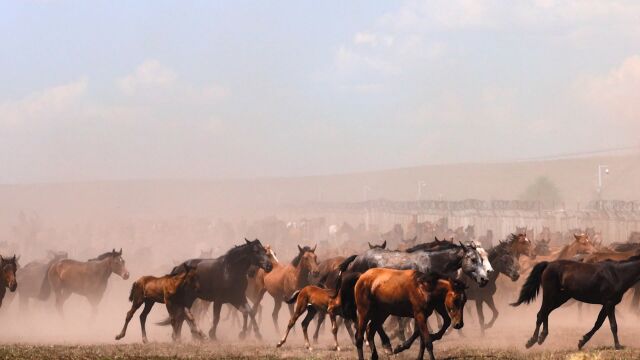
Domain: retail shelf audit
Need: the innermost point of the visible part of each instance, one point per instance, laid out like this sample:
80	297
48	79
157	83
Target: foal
167	290
314	299
381	292
601	283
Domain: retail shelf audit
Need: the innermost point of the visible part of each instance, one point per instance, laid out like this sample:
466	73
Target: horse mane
296	260
633	258
235	252
440	245
103	256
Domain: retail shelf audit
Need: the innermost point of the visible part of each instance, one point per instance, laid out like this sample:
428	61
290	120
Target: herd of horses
373	292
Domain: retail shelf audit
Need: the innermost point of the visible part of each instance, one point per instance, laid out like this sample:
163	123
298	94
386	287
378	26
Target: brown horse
313	300
580	246
8	268
381	292
88	278
283	281
167	289
601	283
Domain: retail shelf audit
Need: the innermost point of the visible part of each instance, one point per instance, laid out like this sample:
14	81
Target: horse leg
556	303
245	309
217	306
352	337
334	331
360	328
494	310
196	333
407	344
321	318
371	332
480	316
143	319
134	307
601	316
277	304
61	298
425	339
300	309
548	305
614	328
311	312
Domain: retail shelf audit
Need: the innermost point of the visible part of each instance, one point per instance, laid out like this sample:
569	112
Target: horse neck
101	268
237	267
628	272
446	261
301	274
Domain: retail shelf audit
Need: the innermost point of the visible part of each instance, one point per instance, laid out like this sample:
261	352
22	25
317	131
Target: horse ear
384	244
247	241
314	248
462	245
299	248
436	238
370	246
113	250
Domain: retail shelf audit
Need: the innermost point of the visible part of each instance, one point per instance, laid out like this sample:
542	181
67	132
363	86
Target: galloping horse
380	293
30	276
224	280
167	290
88	278
601	283
8	268
283	281
503	261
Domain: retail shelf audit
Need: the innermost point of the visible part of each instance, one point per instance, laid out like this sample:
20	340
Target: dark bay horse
8	268
223	280
602	283
380	293
88	278
30	277
503	261
284	280
167	290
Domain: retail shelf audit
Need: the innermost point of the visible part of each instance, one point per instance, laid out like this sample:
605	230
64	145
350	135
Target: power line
580	154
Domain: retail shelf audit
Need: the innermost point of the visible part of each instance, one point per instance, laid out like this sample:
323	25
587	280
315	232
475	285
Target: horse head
258	255
454	301
307	260
473	264
118	264
8	268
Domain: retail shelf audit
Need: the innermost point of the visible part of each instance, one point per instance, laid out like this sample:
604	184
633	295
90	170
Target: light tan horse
88	278
284	280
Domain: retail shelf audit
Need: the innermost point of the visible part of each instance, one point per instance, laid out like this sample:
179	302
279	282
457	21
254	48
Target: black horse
8	268
224	280
602	283
504	261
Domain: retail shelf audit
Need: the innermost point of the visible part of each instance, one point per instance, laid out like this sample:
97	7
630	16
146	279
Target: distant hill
575	180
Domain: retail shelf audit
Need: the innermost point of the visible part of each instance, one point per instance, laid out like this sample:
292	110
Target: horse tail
136	289
293	297
343	266
348	297
531	287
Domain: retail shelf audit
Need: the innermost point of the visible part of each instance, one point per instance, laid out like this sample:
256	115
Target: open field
240	351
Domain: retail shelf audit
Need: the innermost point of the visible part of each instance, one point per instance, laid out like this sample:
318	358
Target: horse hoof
118	337
619	347
581	344
530	343
242	335
541	339
337	348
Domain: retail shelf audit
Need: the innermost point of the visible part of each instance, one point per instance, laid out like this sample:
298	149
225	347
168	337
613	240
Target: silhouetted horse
167	290
223	280
8	268
601	283
380	293
30	277
88	278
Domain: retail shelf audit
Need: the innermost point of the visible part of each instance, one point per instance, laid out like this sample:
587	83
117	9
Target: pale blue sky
158	89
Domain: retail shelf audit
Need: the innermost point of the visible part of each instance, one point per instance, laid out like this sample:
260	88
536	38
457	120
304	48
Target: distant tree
543	190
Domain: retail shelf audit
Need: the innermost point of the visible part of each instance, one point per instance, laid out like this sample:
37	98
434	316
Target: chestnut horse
313	300
88	278
149	290
283	281
601	283
8	268
381	292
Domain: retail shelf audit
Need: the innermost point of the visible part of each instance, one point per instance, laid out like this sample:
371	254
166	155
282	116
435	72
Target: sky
106	90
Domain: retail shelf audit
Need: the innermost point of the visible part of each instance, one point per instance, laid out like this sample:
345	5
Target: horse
503	261
542	247
255	286
8	268
224	280
580	246
283	281
601	283
520	244
380	293
89	279
30	277
167	290
381	246
314	300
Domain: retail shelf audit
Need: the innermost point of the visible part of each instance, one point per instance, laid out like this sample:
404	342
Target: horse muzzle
515	277
125	276
458	325
483	281
13	286
268	267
